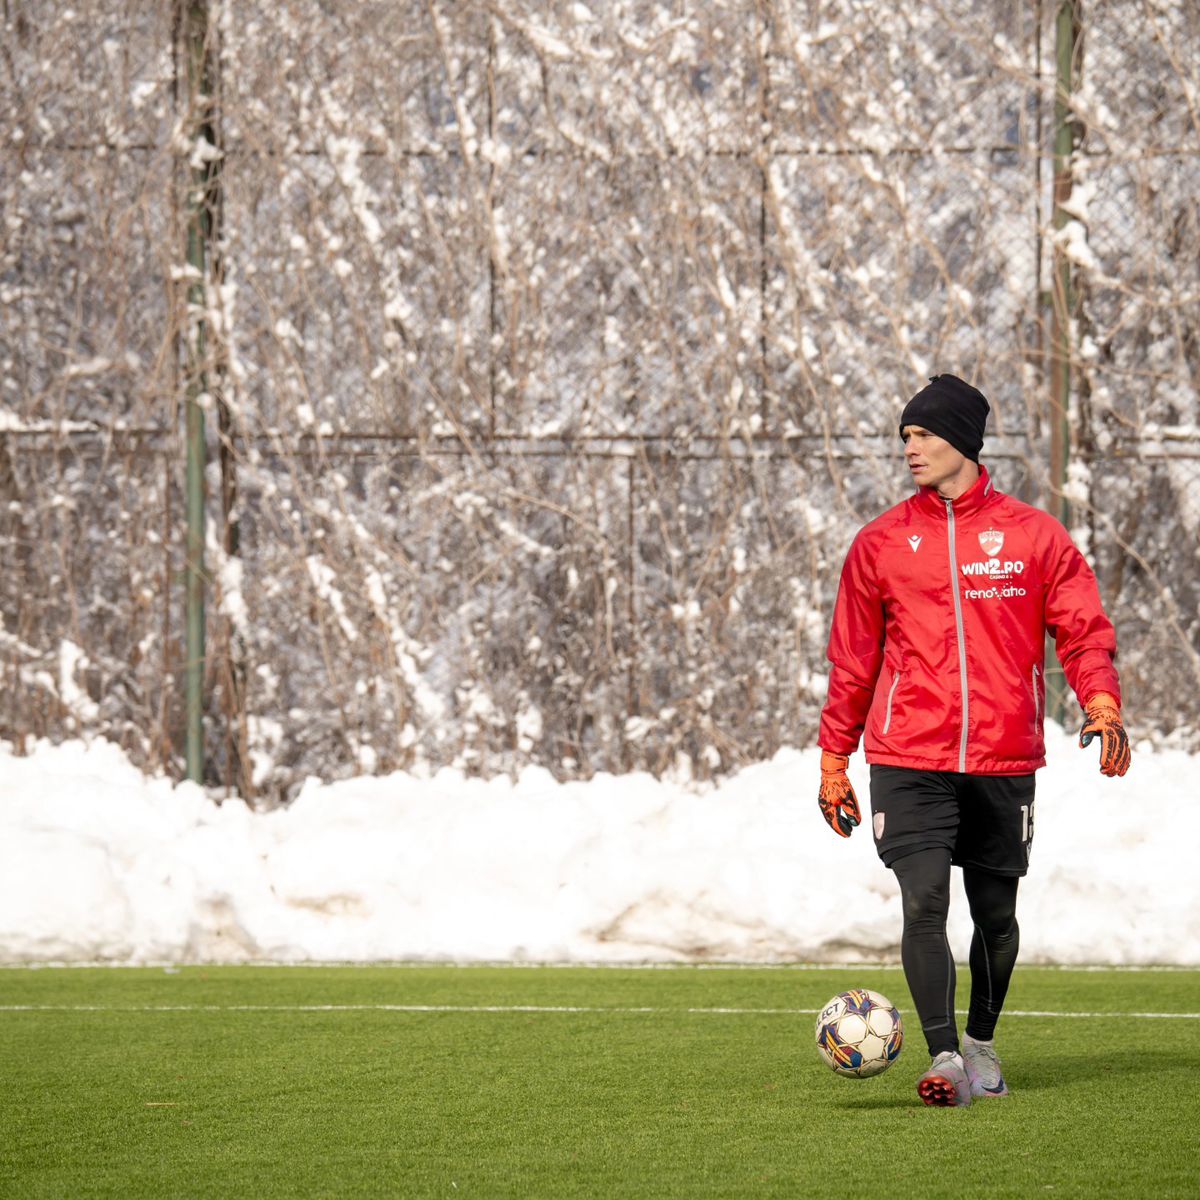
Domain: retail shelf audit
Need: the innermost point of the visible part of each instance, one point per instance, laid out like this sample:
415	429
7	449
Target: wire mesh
555	354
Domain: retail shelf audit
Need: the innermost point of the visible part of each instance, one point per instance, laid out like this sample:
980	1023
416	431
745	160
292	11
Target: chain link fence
552	354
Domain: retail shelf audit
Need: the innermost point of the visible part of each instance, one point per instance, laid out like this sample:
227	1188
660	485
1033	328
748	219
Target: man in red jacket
937	646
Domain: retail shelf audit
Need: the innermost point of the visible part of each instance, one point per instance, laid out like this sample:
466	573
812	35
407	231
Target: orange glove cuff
1102	702
833	764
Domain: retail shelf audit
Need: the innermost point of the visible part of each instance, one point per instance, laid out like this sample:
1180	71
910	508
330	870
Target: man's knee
993	903
926	902
924	887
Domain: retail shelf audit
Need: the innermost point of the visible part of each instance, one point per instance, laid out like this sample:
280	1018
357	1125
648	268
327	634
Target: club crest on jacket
991	541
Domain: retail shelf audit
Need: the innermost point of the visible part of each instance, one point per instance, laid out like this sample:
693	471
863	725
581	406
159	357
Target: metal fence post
1068	29
199	189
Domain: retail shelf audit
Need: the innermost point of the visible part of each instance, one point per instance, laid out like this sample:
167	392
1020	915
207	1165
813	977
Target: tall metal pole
199	215
1068	27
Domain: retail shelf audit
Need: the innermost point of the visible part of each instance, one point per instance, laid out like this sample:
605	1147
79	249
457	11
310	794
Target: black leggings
928	963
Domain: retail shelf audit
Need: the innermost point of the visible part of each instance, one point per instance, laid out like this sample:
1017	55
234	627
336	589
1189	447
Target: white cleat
945	1084
983	1068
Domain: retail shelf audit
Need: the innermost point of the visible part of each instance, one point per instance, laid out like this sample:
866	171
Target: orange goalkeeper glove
1104	721
839	805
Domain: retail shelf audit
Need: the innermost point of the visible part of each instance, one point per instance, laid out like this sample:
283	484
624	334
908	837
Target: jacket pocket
1037	702
887	718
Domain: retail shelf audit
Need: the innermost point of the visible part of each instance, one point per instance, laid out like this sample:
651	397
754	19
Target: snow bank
98	862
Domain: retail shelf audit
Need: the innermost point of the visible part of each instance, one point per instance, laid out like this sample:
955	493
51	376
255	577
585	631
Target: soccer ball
859	1032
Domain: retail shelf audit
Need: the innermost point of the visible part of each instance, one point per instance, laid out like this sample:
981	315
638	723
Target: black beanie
951	408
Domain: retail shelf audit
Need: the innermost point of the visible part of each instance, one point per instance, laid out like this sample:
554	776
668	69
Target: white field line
171	966
527	1008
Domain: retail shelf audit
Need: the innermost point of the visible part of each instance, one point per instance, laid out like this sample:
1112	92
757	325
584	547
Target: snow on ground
100	863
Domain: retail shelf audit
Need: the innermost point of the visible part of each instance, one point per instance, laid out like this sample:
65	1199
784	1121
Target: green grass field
528	1082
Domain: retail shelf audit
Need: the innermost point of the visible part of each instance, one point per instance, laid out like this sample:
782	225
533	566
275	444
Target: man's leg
929	968
995	836
924	878
915	820
993	901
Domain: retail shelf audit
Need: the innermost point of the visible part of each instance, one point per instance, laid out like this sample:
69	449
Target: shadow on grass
879	1102
1055	1071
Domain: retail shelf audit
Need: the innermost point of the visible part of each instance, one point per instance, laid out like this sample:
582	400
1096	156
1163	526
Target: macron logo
915	542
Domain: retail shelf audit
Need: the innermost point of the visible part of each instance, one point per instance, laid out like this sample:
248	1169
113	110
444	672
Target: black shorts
985	821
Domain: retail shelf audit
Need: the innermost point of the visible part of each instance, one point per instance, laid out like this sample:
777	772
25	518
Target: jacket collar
971	501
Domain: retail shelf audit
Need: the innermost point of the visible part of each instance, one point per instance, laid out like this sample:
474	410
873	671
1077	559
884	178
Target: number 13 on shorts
1027	826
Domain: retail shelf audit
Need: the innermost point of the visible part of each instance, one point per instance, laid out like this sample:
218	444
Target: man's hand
1104	721
839	805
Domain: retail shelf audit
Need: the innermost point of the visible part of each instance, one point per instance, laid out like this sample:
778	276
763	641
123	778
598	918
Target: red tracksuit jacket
939	632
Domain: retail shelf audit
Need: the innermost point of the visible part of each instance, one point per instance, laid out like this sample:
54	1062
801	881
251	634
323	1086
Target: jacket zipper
962	644
1037	705
887	722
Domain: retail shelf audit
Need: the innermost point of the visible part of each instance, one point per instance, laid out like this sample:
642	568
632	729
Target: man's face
931	459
